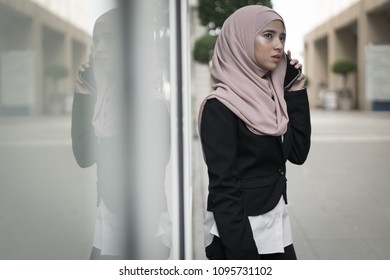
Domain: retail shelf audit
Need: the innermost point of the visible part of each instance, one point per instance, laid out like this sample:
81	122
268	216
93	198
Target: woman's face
105	43
269	45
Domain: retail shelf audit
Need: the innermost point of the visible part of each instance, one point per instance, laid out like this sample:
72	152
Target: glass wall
155	76
95	138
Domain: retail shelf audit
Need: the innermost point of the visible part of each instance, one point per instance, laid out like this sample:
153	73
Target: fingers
84	66
299	83
301	77
80	86
294	61
78	80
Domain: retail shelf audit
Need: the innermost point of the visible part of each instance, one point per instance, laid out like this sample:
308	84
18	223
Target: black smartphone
88	78
292	74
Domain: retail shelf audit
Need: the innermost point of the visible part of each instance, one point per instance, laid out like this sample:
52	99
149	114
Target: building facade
39	55
346	36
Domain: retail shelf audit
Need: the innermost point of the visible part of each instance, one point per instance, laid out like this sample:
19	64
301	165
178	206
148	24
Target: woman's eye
268	35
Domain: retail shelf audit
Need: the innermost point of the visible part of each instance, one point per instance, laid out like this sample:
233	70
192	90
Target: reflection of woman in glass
249	127
97	139
95	133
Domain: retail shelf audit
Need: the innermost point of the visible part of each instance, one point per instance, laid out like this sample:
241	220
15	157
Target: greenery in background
212	14
56	72
343	67
203	49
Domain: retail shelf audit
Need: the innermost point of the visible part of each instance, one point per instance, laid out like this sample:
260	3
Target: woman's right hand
300	82
80	86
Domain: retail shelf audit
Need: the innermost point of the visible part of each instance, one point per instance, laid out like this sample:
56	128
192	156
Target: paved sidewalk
339	199
47	202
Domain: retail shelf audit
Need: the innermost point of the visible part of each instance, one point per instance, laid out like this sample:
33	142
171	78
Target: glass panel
91	168
147	126
47	200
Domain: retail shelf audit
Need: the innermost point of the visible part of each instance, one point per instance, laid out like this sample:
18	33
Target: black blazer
247	171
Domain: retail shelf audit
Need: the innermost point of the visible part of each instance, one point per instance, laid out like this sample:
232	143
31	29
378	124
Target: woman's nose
278	44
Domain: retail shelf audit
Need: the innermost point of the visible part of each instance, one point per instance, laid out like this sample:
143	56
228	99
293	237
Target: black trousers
216	251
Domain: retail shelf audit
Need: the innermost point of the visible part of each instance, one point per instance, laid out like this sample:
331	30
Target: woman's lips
276	58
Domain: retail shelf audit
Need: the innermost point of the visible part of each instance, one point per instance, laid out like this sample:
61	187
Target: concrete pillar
346	49
332	57
80	54
309	70
36	43
321	47
316	68
68	62
362	42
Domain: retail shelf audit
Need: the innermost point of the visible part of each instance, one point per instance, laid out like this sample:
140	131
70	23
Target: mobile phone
292	74
88	78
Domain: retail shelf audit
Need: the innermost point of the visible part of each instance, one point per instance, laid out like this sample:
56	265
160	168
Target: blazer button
281	172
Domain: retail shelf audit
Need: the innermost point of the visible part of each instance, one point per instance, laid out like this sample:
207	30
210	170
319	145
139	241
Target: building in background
359	34
74	11
39	54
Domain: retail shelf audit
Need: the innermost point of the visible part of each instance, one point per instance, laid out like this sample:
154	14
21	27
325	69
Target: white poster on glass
378	72
17	78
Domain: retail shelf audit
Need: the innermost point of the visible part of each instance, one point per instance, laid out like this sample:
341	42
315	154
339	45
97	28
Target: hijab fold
255	95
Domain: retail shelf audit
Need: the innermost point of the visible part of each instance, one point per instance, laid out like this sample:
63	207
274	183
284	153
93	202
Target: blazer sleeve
219	134
299	130
84	141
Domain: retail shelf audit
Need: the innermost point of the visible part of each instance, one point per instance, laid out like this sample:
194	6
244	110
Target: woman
249	128
95	134
96	138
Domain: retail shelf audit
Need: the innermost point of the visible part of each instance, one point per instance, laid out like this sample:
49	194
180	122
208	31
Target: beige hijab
237	80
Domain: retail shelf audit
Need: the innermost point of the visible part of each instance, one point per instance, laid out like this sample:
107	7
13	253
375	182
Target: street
47	202
339	198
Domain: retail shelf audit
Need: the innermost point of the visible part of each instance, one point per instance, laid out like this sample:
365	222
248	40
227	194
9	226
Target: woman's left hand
300	82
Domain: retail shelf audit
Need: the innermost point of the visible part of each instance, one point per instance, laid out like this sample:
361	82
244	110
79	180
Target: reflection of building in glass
39	54
75	11
346	37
